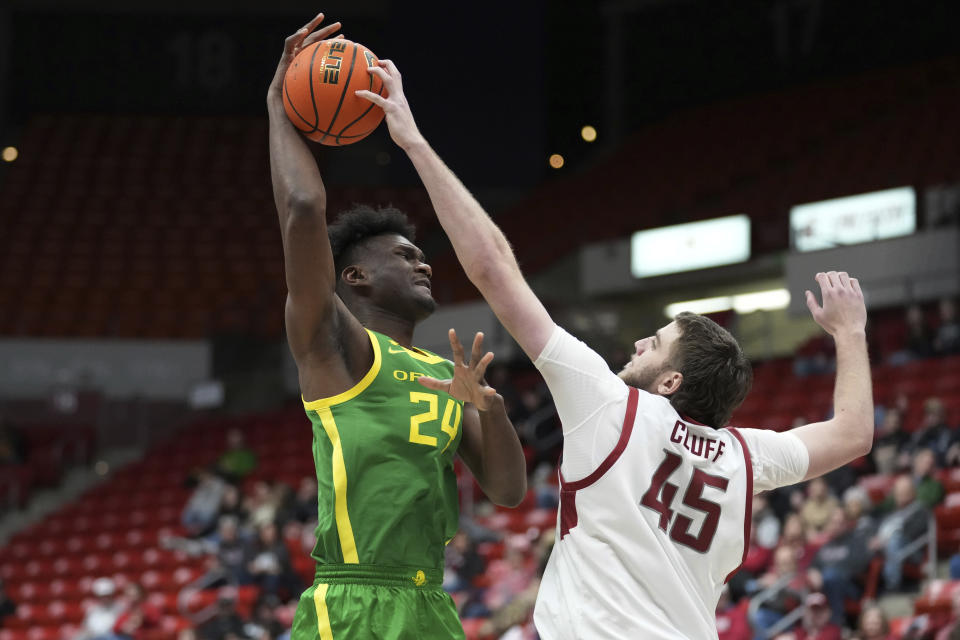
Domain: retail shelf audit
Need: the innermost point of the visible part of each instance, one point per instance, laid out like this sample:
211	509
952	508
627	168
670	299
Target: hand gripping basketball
403	128
293	45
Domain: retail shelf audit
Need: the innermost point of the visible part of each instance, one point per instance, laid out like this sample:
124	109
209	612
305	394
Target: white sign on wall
853	219
686	247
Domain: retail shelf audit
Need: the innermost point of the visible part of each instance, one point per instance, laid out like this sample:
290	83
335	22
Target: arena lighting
761	301
556	161
741	303
690	246
10	154
588	133
853	219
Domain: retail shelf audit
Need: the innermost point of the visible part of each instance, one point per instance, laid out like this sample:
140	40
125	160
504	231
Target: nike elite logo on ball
319	92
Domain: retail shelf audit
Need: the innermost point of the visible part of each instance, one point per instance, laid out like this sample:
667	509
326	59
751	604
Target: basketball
318	92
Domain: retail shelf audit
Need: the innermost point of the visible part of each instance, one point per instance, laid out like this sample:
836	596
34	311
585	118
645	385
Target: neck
387	323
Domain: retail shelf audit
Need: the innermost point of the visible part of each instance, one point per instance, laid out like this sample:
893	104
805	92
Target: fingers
456	347
323	34
482	365
433	383
390	67
380	73
856	286
310	26
822	280
844	279
376	99
477	347
294	40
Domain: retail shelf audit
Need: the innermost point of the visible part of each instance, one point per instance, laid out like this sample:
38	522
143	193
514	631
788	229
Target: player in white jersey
655	495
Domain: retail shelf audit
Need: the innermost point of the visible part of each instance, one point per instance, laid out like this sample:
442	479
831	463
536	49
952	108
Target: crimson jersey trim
748	511
568	490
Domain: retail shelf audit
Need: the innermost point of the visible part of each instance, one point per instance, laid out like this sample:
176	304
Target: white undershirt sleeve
779	459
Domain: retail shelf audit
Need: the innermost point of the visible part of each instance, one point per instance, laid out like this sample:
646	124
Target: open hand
467	383
843	309
400	121
293	45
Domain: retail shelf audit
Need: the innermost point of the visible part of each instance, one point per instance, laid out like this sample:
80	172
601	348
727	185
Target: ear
354	276
669	382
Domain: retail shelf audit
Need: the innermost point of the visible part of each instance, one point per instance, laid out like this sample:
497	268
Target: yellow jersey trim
348	545
356	389
323	616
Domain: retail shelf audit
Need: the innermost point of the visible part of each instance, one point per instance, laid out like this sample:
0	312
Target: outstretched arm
301	205
481	247
849	434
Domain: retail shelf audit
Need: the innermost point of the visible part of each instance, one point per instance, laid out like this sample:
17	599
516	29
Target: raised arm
849	434
301	205
481	247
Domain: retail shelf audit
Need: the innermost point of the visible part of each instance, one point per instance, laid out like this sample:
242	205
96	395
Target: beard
644	378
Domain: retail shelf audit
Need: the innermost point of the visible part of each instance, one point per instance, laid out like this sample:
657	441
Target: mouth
423	283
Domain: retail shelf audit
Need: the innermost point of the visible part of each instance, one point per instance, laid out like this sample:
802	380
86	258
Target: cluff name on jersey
697	445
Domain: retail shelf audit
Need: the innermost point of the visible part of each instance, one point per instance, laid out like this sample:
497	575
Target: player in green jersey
387	418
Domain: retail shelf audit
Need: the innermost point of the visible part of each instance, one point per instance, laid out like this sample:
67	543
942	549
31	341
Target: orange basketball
318	92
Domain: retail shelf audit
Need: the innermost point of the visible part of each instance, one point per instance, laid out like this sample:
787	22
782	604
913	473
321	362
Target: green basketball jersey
384	453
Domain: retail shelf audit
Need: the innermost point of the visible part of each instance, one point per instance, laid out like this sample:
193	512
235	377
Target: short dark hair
716	374
360	222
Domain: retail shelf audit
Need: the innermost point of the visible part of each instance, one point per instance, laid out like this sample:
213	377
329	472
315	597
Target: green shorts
372	602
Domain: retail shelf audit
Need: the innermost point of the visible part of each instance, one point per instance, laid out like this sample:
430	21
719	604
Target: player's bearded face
651	359
636	374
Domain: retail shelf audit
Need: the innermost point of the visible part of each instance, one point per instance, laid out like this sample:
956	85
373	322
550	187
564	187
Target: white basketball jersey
646	541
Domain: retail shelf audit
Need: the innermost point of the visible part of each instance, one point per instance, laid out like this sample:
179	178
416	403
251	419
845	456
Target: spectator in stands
462	565
305	502
873	625
102	615
269	563
783	588
231	552
512	574
231	504
818	507
13	450
263	624
898	529
839	563
203	506
238	461
891	440
934	432
929	489
732	621
263	503
226	624
765	521
546	492
7	606
918	339
138	615
797	538
755	564
952	629
857	506
816	624
947	340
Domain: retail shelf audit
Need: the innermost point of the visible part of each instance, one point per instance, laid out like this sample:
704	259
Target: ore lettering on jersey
697	445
